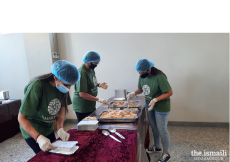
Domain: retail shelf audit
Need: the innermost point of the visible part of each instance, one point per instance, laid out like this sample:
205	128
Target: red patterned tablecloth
96	147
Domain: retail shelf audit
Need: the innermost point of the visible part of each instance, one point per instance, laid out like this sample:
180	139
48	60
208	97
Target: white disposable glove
44	143
103	85
152	103
130	95
103	101
63	135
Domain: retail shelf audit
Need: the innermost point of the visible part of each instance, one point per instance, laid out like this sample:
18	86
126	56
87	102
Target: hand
103	85
63	135
103	101
44	143
152	103
130	95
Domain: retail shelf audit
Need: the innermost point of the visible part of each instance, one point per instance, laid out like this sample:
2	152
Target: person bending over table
156	88
46	99
84	99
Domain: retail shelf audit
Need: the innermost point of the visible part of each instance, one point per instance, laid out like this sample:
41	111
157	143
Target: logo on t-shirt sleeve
146	89
54	106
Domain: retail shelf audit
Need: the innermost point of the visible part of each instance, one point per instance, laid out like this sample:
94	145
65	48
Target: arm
91	98
161	97
130	95
88	96
165	95
60	118
138	91
27	126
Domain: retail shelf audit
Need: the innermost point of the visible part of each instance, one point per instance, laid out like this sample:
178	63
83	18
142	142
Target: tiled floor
16	149
183	141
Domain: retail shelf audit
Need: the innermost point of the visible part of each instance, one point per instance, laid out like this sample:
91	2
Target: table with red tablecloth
96	147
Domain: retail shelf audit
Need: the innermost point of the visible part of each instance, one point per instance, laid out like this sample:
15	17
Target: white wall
197	67
14	72
38	53
22	57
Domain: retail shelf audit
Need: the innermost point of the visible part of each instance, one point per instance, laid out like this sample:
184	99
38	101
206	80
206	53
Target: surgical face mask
92	66
145	75
62	88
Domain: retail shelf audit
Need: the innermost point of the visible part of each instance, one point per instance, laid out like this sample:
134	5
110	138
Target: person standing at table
46	99
157	90
84	99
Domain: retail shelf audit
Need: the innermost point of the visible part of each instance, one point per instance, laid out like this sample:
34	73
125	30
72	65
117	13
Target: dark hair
155	71
50	78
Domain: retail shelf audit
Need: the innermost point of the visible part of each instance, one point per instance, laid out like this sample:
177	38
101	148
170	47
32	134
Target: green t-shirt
154	86
41	103
88	84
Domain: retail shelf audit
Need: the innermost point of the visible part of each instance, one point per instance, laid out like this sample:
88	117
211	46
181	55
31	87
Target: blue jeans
159	121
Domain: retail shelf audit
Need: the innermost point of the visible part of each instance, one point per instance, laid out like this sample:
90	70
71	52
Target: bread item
118	114
113	109
133	104
90	118
120	103
131	108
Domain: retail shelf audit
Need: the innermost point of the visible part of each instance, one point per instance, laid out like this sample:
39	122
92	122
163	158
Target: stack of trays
132	104
120	94
90	125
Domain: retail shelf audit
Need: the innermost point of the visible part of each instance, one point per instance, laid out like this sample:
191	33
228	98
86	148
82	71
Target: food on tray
113	109
119	104
118	114
130	109
90	118
132	104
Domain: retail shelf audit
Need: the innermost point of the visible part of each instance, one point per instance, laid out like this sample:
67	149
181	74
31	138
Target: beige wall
197	67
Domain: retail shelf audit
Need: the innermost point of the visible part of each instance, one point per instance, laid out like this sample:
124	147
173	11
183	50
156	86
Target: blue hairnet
66	72
91	56
143	65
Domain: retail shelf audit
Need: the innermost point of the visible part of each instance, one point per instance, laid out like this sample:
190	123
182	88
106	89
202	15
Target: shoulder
139	77
35	85
161	76
83	70
38	84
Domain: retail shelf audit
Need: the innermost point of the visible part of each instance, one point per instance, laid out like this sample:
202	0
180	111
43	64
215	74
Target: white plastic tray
65	152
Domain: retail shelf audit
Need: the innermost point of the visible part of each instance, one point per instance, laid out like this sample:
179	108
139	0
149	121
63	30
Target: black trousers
81	116
35	147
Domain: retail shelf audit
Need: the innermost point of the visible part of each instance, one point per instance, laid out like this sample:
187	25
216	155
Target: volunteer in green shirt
84	99
155	86
46	99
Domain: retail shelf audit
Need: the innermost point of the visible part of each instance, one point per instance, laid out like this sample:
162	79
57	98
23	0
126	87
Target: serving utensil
107	134
112	106
113	130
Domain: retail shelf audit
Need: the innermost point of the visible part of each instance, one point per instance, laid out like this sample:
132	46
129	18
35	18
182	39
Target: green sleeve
33	94
163	83
82	85
139	83
69	102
